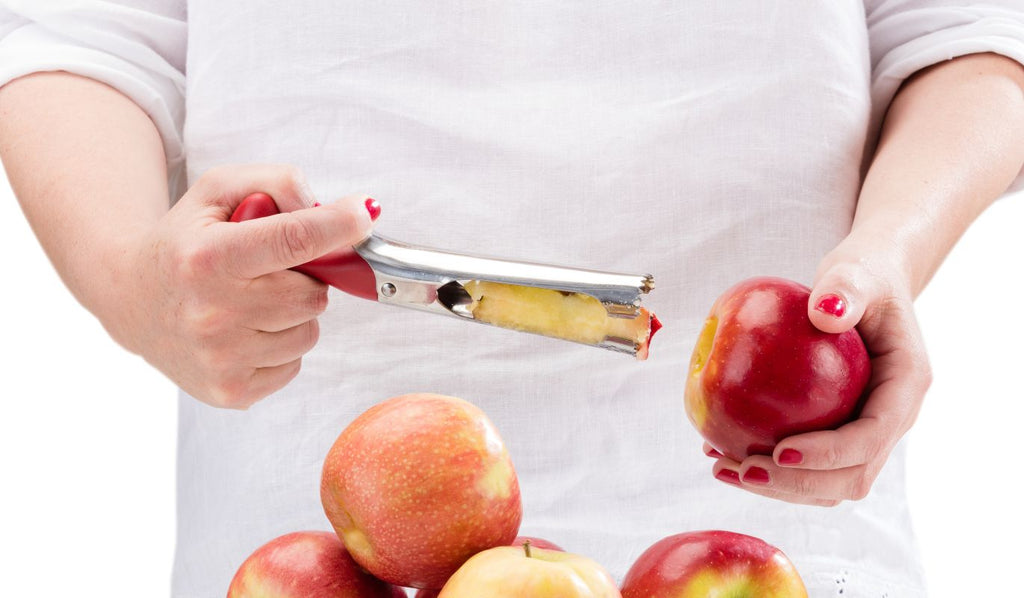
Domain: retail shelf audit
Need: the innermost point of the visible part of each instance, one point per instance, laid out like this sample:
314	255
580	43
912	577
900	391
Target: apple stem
526	548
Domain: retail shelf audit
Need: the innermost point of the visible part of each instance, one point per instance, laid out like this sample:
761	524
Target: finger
759	473
224	187
840	296
281	300
899	381
257	247
712	451
271	349
268	380
729	473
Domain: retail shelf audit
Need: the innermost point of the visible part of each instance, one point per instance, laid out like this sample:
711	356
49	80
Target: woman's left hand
861	288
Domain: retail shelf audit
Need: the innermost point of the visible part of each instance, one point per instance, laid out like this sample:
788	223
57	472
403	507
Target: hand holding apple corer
599	309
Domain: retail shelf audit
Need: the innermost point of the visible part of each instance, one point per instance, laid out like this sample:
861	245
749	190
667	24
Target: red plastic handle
343	269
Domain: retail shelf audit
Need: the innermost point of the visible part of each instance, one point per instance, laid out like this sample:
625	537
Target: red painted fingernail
728	476
832	305
317	204
714	454
373	207
791	457
756	475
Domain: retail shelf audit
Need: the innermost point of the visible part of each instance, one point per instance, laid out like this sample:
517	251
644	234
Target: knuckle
196	261
831	457
312	334
295	240
231	393
805	485
212	182
861	486
292	176
926	374
318	300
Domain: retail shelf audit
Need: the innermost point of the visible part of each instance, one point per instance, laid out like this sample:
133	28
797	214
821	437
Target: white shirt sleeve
135	46
909	35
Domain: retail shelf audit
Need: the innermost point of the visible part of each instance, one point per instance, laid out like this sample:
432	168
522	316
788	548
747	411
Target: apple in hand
713	563
306	565
525	572
761	371
418	484
519	541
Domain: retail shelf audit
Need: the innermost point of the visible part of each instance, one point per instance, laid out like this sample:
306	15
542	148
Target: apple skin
519	541
761	371
507	572
713	563
418	484
306	565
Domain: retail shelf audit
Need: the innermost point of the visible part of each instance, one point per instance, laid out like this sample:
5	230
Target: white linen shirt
702	141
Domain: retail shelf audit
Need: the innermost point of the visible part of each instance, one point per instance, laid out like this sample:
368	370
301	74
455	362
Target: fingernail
790	457
317	204
832	305
728	476
714	454
373	207
756	475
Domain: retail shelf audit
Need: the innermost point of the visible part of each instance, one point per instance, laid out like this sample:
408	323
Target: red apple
306	565
519	572
418	484
713	563
761	371
519	541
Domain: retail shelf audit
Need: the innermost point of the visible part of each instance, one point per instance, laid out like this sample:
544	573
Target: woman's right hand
212	304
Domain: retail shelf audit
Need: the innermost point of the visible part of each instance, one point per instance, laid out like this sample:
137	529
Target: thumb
282	241
841	294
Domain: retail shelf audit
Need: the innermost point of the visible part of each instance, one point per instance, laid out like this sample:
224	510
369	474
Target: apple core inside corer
560	314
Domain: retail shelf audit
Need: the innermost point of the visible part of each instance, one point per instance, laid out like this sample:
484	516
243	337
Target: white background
87	431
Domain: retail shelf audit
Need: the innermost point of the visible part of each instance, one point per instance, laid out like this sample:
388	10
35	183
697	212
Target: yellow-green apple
306	565
416	485
524	572
761	371
519	541
713	563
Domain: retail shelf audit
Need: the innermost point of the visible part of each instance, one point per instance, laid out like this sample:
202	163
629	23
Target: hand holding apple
417	485
858	284
306	565
761	371
525	572
713	563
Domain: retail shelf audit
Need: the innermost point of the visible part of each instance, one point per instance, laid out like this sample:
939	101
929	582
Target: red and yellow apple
522	572
417	485
519	541
713	563
761	371
306	565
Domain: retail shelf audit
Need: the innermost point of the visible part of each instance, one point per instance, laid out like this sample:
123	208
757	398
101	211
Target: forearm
952	142
87	166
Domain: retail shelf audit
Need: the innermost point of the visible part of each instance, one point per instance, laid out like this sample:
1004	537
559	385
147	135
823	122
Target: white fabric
702	141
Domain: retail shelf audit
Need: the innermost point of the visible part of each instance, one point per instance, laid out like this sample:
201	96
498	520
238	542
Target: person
844	144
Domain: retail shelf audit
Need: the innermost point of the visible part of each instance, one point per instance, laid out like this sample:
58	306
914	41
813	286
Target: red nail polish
714	454
728	476
790	457
832	305
756	475
317	204
373	207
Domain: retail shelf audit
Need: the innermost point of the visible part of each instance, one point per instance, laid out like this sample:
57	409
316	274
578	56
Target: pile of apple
421	492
